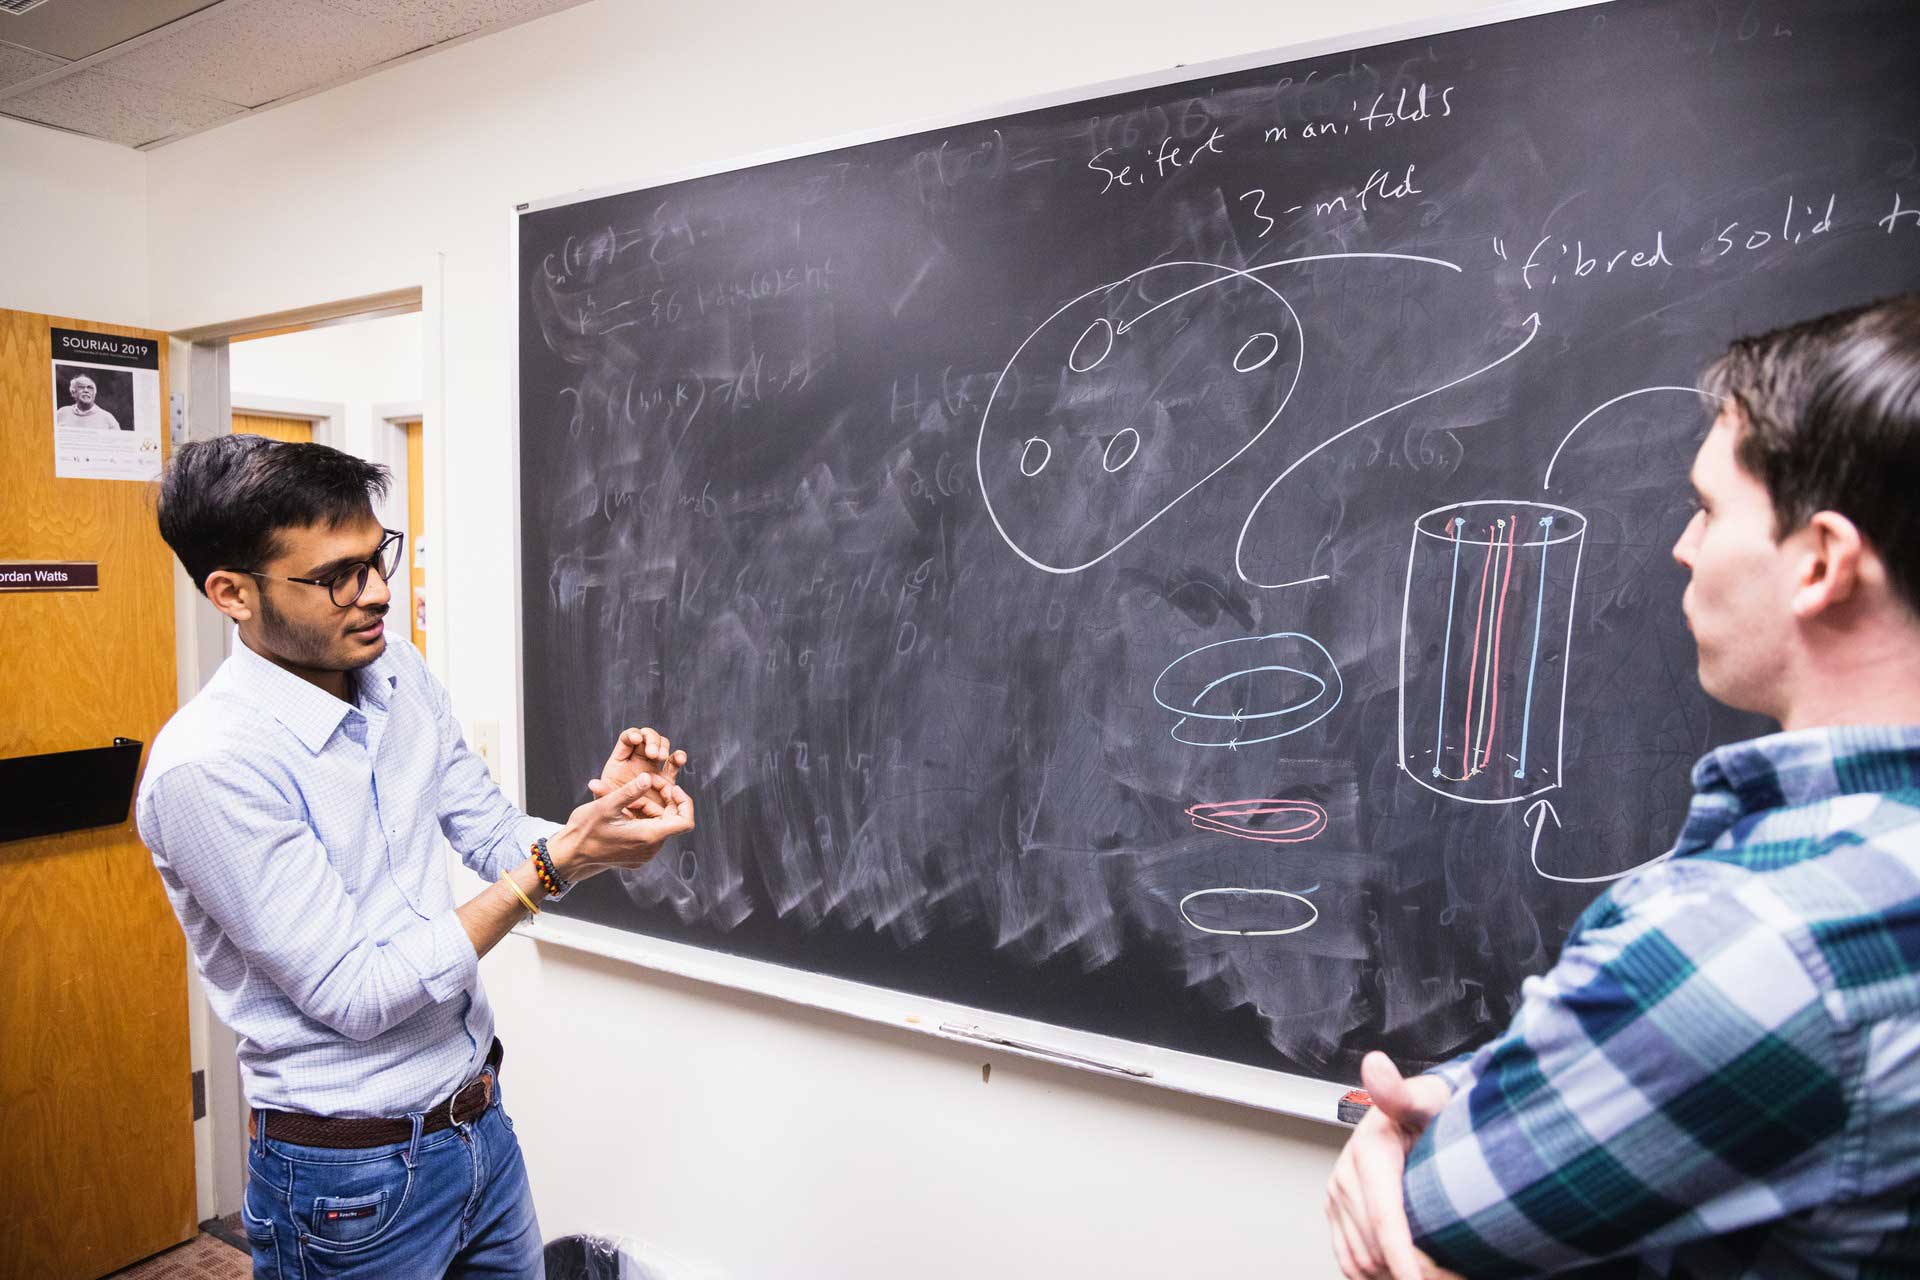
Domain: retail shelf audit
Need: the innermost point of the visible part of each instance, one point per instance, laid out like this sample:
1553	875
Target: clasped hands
1366	1203
638	805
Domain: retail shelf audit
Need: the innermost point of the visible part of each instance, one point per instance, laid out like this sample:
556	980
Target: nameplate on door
49	575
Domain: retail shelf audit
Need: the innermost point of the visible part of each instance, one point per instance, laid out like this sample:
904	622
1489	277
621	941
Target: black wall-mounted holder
67	790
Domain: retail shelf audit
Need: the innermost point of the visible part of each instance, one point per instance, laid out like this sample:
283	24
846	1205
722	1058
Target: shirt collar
1786	770
311	713
379	678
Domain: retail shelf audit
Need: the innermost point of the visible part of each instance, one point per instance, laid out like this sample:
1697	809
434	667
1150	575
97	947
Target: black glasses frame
357	572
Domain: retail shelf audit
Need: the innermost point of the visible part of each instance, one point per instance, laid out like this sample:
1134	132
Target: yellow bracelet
507	880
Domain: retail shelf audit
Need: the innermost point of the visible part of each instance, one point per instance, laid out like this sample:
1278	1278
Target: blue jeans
453	1203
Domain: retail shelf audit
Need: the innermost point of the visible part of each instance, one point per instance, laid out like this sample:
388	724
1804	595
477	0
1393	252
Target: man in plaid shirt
1721	1074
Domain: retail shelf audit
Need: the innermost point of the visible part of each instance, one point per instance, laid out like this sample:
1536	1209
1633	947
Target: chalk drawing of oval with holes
1128	399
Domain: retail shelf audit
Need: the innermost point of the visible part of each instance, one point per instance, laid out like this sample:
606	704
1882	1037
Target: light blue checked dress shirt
299	839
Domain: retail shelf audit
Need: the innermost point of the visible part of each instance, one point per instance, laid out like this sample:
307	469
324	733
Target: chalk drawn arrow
1544	809
1532	325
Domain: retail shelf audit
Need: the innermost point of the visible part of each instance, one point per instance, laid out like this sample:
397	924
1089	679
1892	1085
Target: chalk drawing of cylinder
1486	631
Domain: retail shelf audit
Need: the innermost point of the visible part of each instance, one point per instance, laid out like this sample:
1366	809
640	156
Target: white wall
745	1137
73	226
360	369
362	365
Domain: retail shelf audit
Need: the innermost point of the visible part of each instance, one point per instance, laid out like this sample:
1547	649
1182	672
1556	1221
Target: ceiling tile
259	52
92	102
438	20
75	29
17	65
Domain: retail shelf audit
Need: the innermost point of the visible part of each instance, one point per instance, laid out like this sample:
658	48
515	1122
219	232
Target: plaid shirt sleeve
1675	1076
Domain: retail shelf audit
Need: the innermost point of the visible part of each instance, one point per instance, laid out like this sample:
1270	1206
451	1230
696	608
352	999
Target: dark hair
1830	421
223	501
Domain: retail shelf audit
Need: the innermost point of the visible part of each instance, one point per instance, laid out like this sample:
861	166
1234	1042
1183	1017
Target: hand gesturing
638	751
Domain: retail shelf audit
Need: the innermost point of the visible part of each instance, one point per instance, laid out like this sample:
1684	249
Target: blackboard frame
1280	1092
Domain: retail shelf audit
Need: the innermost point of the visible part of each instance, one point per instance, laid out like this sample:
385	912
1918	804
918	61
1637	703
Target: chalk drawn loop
1241	362
1026	454
1132	438
1298	655
1259	908
1101	331
1296	820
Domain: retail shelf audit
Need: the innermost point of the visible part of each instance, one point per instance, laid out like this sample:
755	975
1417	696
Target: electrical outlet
486	745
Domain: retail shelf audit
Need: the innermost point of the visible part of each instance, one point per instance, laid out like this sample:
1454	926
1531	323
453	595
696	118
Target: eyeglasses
346	587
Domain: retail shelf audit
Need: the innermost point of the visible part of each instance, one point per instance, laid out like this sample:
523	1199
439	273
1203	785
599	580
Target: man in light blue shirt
295	810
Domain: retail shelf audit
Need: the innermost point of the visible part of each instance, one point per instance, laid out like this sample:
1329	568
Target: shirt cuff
1456	1073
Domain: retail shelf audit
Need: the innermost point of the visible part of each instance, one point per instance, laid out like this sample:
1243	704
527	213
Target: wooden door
96	1103
273	426
416	531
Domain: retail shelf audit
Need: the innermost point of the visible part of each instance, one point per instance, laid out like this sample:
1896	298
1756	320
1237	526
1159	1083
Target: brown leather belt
463	1106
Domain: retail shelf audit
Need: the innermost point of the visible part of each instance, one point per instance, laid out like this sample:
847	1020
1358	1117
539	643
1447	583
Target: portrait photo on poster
91	398
106	406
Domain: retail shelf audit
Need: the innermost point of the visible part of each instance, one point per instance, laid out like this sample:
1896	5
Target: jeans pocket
343	1208
349	1219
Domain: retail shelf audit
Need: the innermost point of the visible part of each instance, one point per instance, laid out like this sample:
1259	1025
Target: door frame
329	420
390	446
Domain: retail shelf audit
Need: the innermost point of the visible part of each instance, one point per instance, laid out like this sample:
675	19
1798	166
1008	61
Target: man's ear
1835	564
232	592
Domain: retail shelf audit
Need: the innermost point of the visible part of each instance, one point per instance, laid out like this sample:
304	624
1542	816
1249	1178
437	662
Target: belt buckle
454	1103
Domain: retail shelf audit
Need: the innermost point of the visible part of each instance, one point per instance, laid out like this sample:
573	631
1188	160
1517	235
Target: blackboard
1189	564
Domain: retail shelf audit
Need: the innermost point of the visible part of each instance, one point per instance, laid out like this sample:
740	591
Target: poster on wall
106	406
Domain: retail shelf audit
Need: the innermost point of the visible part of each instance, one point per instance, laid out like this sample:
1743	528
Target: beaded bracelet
543	867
